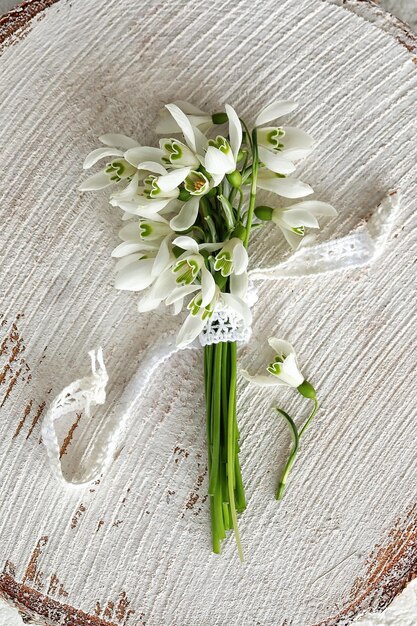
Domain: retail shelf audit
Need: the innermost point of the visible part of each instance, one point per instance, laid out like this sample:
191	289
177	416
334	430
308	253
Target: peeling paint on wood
33	603
77	515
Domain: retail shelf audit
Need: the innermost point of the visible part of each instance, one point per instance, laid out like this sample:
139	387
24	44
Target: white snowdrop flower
283	370
280	146
197	183
232	258
221	156
117	169
143	255
294	220
176	154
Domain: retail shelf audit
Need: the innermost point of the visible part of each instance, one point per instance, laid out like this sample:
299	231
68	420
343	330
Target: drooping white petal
239	285
240	258
96	182
235	130
180	293
292	238
210	247
177	306
218	163
262	381
164	284
143	153
297	143
163	256
274	110
152	166
129	247
185	125
208	286
280	346
190	330
239	306
127	193
117	140
187	215
130	232
136	276
186	243
94	156
124	261
290	373
148	303
275	162
294	218
286	187
316	208
170	181
188	108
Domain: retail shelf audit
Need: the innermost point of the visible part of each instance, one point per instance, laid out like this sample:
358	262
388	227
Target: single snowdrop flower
232	258
221	156
197	183
280	146
145	252
192	263
283	369
176	154
294	220
182	275
197	118
116	170
287	142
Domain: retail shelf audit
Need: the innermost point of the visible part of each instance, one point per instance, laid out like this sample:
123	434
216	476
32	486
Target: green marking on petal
299	230
186	271
196	183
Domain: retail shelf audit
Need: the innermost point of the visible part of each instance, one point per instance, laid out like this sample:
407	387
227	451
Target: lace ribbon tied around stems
224	325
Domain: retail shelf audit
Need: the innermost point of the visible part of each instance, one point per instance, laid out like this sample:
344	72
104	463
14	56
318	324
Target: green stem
310	417
215	418
252	196
287	469
231	431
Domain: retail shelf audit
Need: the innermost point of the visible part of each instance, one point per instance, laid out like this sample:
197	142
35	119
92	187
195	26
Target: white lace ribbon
357	249
80	395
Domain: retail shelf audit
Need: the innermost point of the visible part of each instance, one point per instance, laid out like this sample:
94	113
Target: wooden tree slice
134	549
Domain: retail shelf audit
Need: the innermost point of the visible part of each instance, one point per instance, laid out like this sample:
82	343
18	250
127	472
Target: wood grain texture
134	548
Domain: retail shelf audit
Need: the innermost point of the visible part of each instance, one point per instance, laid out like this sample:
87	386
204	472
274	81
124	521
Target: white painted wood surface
134	549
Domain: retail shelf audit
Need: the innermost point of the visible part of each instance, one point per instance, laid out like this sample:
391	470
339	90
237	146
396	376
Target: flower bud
235	179
219	118
264	213
307	390
239	232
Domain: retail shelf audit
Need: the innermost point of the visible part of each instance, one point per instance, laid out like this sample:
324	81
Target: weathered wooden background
134	548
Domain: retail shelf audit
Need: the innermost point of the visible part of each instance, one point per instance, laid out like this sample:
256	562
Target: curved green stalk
310	417
291	459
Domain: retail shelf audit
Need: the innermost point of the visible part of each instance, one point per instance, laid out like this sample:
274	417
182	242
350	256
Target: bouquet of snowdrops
190	208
